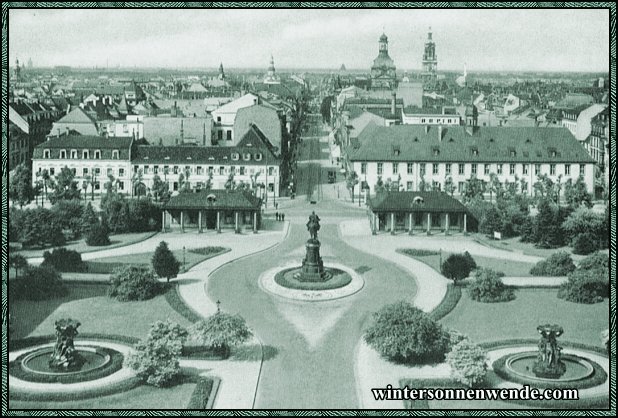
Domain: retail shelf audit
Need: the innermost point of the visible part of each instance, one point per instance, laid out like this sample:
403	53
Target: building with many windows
420	158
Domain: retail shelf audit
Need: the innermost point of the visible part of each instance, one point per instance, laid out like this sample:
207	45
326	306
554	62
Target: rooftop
416	202
215	199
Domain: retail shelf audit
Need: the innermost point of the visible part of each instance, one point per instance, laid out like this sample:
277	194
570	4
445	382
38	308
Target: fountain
548	363
65	356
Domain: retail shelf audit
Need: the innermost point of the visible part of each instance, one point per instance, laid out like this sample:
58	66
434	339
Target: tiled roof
215	199
265	118
487	144
416	202
85	142
77	115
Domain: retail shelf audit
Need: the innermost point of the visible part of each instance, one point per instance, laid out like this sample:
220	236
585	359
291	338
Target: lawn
96	312
519	318
510	268
142	397
191	257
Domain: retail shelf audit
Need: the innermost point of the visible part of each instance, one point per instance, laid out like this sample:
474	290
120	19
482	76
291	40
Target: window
258	157
525	169
232	170
410	168
97	154
121	185
537	169
210	169
74	171
121	172
474	169
436	152
430	120
552	169
271	171
97	185
436	186
380	168
221	170
155	169
220	135
512	153
434	168
46	153
422	168
110	172
499	168
246	156
448	169
97	171
74	154
146	168
486	169
582	169
461	169
52	171
235	156
85	154
115	154
409	186
228	135
475	152
175	186
125	128
175	169
242	170
512	169
63	154
84	172
461	186
395	168
567	169
199	170
423	120
363	169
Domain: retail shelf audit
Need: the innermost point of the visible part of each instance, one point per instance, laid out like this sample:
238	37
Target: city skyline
551	40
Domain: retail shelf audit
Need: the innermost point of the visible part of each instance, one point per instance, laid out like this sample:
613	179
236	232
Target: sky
483	39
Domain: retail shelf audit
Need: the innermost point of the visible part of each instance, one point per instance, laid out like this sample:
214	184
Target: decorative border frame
612	195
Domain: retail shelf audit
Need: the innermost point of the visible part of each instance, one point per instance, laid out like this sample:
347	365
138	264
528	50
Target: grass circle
339	278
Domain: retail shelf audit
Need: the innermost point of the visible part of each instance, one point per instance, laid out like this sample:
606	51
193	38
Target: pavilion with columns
429	212
213	209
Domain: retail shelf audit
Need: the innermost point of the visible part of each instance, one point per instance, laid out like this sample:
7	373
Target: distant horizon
495	40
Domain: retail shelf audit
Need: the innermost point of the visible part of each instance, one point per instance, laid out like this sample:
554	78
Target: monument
312	269
64	355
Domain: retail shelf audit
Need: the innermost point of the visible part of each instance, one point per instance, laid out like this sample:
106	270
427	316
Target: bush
585	244
38	283
98	236
134	283
586	286
488	287
39	227
417	253
594	261
68	215
64	260
558	264
468	363
404	333
164	263
221	332
156	359
458	266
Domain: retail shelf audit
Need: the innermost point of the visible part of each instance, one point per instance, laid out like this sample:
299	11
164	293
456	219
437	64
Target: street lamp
218	306
184	268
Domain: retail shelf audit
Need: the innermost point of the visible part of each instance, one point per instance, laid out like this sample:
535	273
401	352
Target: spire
221	73
429	34
271	67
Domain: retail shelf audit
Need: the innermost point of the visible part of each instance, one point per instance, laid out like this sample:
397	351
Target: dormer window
258	157
512	152
528	141
97	154
491	140
418	200
247	156
235	156
85	154
74	154
435	151
475	151
415	139
63	154
115	154
46	153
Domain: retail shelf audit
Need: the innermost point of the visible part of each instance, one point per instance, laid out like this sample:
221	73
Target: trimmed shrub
157	358
558	264
98	236
38	283
586	286
221	332
64	260
164	263
404	333
488	287
594	261
458	266
468	363
585	244
134	283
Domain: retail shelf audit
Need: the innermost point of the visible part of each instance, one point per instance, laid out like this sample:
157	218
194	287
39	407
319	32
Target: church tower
430	60
271	76
17	70
383	69
221	73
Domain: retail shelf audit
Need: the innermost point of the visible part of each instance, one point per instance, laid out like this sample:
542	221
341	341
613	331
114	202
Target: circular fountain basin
90	358
577	368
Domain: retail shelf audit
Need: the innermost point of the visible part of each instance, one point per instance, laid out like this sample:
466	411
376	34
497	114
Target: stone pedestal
313	268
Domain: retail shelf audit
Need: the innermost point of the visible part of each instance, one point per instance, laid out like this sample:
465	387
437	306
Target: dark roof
371	101
86	142
215	199
461	144
416	202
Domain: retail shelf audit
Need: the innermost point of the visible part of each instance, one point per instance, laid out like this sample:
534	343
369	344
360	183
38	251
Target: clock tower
430	60
383	69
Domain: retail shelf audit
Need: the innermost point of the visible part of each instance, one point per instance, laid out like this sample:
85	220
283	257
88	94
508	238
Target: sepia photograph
306	207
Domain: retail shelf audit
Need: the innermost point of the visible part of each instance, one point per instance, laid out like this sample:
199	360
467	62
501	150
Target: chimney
393	103
439	133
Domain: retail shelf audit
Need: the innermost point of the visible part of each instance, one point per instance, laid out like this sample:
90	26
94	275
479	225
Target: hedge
176	302
450	301
203	394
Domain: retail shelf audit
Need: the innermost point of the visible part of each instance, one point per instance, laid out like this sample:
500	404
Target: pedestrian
283	217
277	215
276	205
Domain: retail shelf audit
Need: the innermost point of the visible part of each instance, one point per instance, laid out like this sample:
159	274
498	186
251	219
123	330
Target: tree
116	212
88	219
492	221
39	227
584	220
404	333
138	186
221	332
164	263
157	358
473	189
98	235
110	185
38	283
184	185
18	262
68	215
468	363
133	283
351	182
325	108
230	183
494	185
380	187
558	264
547	225
422	184
20	186
456	267
64	260
449	186
66	186
585	244
488	287
160	189
586	286
47	181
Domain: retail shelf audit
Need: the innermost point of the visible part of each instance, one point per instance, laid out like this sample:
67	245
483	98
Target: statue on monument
313	226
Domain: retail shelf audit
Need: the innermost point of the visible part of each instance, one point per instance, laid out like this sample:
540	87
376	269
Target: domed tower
221	73
271	76
17	73
430	60
383	69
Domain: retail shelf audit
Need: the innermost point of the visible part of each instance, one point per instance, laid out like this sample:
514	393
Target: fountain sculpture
65	356
548	363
